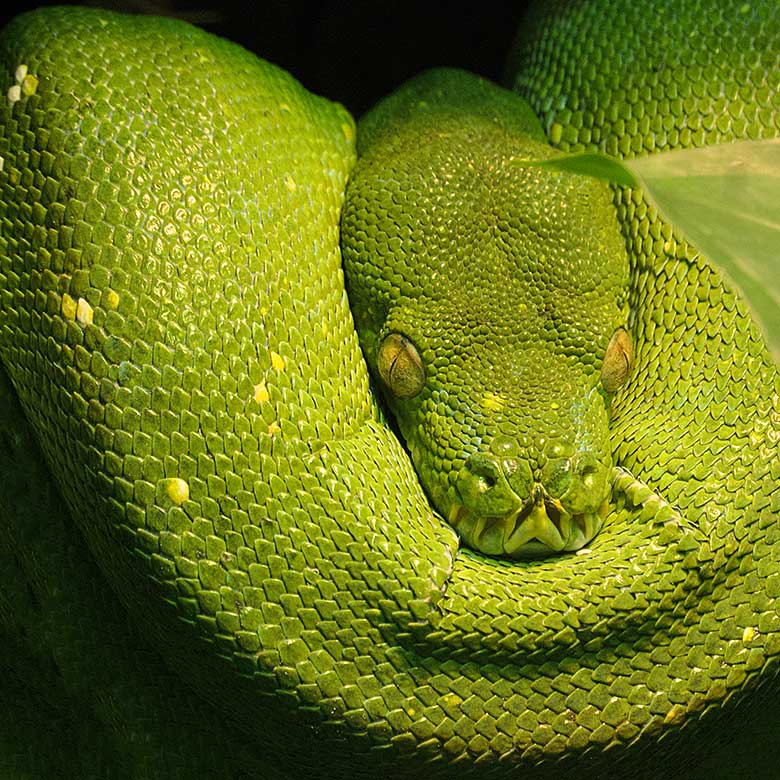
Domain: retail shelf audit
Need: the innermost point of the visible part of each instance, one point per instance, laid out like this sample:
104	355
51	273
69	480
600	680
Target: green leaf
595	164
725	200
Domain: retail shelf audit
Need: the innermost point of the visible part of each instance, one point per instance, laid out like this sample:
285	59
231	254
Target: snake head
490	299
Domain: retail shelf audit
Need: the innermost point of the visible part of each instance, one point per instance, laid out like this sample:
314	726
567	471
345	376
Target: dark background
352	52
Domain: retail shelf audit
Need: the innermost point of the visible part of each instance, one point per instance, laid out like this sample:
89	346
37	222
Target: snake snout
489	485
508	508
580	482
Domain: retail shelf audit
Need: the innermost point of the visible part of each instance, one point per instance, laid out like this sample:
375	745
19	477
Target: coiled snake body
196	468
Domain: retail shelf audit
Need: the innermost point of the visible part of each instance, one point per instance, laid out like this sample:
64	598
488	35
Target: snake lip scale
539	526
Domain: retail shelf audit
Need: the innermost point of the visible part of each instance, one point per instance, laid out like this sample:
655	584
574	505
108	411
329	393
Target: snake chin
539	528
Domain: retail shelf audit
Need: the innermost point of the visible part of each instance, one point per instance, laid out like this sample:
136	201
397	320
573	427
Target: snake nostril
588	476
587	467
483	472
485	482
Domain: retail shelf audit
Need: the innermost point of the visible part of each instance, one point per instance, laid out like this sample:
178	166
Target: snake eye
400	366
618	360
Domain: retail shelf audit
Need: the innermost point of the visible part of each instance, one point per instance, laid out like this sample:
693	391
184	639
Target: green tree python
516	518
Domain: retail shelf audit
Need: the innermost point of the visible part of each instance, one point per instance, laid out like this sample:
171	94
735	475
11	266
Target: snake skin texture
216	559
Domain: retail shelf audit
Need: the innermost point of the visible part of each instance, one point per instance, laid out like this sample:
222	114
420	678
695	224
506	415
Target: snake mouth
540	527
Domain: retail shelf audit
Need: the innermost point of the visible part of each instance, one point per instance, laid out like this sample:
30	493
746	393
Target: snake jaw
540	527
